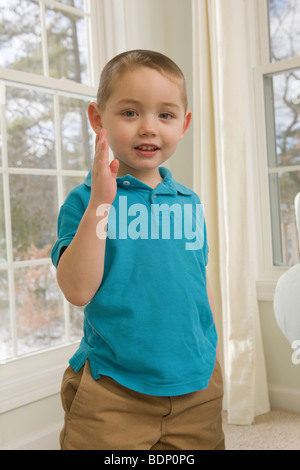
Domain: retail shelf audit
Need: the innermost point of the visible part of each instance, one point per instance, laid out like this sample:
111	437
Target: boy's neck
151	177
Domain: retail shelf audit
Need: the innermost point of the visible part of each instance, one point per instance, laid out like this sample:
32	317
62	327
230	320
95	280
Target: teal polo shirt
149	325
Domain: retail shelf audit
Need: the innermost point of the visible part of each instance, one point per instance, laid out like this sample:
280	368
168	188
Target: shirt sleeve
68	221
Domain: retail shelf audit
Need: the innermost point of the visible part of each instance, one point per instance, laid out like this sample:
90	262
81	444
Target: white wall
166	26
283	376
35	426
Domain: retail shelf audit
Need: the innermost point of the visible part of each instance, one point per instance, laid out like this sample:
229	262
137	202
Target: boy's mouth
147	148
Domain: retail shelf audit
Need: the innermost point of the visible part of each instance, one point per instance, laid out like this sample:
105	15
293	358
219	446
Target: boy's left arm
211	303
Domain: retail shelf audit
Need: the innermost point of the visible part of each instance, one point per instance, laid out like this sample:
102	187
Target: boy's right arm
80	268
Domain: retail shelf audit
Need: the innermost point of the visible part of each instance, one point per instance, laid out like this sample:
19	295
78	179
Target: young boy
132	248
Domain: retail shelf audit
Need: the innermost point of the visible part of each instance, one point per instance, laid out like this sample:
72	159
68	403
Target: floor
277	430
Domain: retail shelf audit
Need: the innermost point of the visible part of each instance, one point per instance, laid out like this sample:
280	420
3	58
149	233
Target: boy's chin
143	165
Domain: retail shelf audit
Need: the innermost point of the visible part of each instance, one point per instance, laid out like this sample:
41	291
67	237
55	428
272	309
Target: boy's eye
129	113
165	116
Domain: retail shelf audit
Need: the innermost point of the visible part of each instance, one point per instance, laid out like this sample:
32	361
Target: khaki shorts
104	415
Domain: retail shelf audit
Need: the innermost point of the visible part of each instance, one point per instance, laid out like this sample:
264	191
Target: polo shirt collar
167	186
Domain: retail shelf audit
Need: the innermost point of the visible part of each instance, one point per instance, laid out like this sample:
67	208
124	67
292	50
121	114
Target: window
281	83
47	79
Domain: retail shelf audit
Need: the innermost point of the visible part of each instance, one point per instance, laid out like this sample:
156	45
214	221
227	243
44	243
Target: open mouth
147	148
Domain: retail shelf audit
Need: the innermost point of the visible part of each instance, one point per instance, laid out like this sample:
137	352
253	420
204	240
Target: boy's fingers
103	133
102	154
97	141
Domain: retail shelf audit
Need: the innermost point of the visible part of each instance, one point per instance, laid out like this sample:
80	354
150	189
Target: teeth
147	147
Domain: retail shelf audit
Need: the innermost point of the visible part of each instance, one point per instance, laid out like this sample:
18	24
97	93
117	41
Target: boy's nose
147	127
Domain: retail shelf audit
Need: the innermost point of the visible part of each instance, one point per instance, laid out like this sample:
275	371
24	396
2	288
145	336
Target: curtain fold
222	152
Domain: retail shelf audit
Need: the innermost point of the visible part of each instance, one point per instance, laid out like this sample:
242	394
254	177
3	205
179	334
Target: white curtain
223	179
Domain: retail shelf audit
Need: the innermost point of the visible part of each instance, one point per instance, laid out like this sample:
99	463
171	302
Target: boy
145	375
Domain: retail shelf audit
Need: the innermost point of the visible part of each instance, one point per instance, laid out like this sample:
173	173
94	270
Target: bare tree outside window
282	91
284	28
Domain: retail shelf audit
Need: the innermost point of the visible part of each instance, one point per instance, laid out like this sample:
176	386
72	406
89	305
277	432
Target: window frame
267	273
39	374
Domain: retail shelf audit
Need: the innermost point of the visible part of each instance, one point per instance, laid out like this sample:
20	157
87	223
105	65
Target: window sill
33	377
267	280
265	289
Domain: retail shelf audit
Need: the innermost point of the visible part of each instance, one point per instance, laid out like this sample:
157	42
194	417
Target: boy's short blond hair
131	60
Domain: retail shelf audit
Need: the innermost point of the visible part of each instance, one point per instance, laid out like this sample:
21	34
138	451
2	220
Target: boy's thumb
114	167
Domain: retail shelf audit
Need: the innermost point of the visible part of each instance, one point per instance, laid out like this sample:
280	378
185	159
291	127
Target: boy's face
145	119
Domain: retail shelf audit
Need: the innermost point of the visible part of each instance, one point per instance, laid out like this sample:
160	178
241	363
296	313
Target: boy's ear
94	117
187	122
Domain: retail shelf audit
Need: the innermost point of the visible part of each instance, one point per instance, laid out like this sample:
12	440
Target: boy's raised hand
104	184
80	269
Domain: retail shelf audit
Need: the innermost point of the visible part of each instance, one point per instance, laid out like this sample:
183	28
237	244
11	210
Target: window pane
20	35
283	188
39	309
1	141
73	3
287	118
76	323
77	135
5	330
284	20
67	47
2	225
30	124
69	182
33	215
